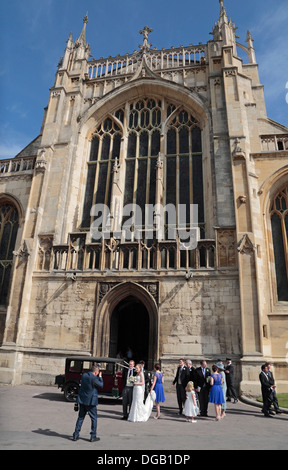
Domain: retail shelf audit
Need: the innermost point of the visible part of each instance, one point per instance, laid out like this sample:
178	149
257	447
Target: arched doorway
129	329
127	316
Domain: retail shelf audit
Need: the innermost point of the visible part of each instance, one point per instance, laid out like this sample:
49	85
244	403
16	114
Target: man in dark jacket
266	389
181	380
229	372
127	393
273	394
202	386
88	401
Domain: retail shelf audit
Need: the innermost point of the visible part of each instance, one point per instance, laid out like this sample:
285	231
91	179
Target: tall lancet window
183	169
279	224
105	147
144	124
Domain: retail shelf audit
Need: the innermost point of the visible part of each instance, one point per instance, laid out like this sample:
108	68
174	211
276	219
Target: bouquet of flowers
132	379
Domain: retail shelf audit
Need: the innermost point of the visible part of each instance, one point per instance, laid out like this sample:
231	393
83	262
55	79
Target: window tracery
105	147
9	222
149	126
279	225
184	174
145	119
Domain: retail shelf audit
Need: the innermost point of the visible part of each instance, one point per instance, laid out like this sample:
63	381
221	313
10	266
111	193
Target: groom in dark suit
201	385
181	380
127	393
88	401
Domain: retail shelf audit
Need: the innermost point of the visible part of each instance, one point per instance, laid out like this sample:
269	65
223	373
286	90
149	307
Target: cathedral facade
151	212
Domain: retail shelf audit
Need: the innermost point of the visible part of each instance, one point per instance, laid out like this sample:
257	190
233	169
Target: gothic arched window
184	174
144	124
279	225
105	147
8	232
148	126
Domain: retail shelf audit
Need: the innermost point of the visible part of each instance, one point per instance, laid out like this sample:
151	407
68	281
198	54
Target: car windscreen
106	367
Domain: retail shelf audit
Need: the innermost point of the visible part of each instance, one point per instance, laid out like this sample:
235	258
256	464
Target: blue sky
33	36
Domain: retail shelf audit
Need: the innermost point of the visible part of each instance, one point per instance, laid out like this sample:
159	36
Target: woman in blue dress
216	393
157	386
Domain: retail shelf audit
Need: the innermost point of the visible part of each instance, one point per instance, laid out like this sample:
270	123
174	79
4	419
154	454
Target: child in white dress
190	407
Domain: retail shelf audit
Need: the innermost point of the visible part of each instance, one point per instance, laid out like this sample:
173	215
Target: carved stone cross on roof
145	31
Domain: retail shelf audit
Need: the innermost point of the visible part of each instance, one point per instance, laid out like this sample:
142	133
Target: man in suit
88	401
181	380
273	395
266	389
191	370
229	373
202	386
127	393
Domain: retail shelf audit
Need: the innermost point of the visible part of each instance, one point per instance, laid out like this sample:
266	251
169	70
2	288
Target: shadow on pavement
50	433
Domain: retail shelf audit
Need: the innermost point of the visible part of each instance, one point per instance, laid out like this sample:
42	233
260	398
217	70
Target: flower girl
190	408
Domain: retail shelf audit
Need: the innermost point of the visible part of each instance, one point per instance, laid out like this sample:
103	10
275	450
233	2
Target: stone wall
61	315
198	318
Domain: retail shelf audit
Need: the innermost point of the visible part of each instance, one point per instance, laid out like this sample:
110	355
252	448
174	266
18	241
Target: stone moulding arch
267	192
183	97
135	89
108	304
9	198
271	186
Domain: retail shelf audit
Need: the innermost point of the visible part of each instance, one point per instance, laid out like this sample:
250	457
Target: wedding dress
140	411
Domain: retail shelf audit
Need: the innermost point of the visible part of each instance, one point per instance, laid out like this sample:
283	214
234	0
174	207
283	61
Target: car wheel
71	392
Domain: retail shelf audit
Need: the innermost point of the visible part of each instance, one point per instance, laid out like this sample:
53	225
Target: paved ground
38	418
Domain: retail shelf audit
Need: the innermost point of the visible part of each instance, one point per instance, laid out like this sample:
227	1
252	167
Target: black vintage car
75	367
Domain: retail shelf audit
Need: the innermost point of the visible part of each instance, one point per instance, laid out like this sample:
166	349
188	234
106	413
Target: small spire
223	14
251	50
224	30
82	37
83	48
249	38
69	41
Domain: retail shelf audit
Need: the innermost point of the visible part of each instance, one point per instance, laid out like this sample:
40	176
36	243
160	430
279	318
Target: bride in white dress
140	411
